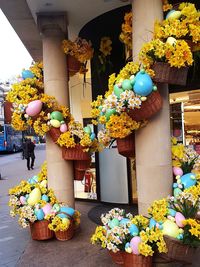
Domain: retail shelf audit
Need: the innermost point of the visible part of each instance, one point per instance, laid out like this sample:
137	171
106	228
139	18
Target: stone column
53	28
153	144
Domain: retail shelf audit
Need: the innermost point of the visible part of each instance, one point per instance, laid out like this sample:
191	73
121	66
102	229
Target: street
13	238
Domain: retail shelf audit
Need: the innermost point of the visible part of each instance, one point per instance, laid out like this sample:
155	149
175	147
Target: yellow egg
170	229
44	183
174	15
65	221
171	41
34	196
55	123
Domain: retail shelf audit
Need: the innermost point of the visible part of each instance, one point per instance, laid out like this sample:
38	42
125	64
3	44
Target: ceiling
22	15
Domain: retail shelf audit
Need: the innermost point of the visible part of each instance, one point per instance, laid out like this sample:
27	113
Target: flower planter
75	153
132	260
73	65
148	108
166	74
65	235
177	251
80	167
117	257
54	134
40	231
126	146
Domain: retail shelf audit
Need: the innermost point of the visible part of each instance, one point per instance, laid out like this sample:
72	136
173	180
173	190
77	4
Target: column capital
52	23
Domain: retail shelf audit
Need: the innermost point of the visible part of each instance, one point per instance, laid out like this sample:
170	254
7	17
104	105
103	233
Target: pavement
17	249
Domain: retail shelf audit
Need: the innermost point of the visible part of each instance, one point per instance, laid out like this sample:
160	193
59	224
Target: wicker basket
132	260
117	257
166	74
177	251
40	231
65	235
148	108
80	167
73	65
75	153
126	146
54	133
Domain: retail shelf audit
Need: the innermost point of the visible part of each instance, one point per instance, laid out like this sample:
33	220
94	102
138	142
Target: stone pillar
153	144
53	28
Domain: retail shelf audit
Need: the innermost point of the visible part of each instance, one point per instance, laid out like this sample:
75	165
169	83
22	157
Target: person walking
29	154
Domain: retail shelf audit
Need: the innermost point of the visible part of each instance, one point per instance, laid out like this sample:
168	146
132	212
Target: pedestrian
23	148
29	154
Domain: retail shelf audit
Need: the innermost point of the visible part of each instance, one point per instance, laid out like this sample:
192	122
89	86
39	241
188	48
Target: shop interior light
192	107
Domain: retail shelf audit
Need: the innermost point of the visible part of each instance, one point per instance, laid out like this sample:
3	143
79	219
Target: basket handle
62	212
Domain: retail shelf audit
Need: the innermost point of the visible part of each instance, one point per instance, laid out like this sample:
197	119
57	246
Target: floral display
104	53
126	33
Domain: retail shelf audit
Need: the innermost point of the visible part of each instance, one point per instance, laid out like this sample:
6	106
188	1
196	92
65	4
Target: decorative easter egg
47	209
177	171
188	180
67	210
170	228
34	108
34	196
124	221
133	229
22	199
55	123
44	183
175	185
117	91
132	79
56	115
109	112
56	207
179	219
172	212
171	41
87	129
31	181
63	128
27	74
177	192
173	14
39	214
45	198
143	84
126	85
134	244
35	178
66	221
152	223
114	222
92	136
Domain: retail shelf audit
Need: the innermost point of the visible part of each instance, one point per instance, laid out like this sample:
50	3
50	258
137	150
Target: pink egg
22	200
177	171
47	209
63	128
34	108
179	219
134	244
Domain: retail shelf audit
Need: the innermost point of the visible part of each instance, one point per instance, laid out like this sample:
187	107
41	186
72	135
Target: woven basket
166	74
117	257
80	167
75	153
126	146
132	260
67	234
73	65
177	251
148	108
54	133
40	231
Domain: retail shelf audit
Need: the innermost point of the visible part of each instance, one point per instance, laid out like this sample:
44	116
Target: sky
13	54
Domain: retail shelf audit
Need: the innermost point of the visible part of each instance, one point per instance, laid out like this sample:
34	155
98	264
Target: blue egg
175	185
127	245
133	229
39	214
31	181
124	221
35	178
67	210
143	84
114	222
172	212
160	226
27	74
92	136
27	196
169	13
45	198
152	223
177	192
188	180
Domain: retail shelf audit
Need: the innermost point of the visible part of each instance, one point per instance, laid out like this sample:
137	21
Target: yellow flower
105	46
